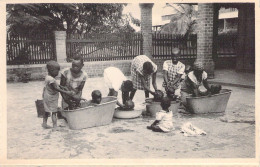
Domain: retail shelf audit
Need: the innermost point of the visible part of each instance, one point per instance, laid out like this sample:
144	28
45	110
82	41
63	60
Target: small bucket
40	108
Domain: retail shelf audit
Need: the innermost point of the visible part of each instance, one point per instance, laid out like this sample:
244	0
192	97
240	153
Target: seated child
163	122
96	99
215	89
51	94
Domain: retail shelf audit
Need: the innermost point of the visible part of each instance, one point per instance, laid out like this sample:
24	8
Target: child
51	94
96	97
74	79
163	122
115	80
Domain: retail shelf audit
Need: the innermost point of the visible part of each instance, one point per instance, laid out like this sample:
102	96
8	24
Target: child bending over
73	79
51	94
163	122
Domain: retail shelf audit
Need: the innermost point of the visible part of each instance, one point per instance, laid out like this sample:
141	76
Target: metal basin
153	107
91	116
209	104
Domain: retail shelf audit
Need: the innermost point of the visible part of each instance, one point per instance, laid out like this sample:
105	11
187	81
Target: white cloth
114	78
190	130
165	120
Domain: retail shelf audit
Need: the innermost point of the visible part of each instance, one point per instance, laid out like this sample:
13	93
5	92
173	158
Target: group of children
73	80
70	87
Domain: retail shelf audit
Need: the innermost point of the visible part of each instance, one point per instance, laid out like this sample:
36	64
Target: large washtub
209	104
91	116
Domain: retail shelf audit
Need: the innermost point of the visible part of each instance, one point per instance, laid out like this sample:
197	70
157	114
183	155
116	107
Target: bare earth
230	135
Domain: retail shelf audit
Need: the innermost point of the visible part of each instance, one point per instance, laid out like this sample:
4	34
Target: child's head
198	68
171	93
165	103
158	95
53	68
77	64
96	96
147	68
127	86
129	104
175	55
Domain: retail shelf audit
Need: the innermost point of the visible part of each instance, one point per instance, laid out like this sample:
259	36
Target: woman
195	83
172	72
142	68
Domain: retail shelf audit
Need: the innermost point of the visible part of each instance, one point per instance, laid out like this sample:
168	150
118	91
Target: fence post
60	42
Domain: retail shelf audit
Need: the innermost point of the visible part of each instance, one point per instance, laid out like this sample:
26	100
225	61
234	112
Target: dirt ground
229	135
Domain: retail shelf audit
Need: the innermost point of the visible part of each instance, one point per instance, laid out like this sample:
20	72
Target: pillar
60	42
205	37
246	38
146	28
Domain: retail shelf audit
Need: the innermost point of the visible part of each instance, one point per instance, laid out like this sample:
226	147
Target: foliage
183	20
73	18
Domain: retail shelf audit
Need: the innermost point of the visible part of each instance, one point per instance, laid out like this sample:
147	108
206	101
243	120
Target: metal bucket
153	107
91	116
209	104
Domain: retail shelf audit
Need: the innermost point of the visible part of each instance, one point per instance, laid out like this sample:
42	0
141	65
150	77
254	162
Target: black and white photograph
137	80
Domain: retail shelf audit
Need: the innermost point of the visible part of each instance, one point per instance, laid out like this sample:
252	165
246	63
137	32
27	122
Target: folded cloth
190	130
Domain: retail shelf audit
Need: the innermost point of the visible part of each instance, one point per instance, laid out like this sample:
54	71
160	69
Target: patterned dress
172	71
137	67
50	96
73	82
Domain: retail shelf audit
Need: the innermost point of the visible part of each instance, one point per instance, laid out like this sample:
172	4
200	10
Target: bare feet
45	126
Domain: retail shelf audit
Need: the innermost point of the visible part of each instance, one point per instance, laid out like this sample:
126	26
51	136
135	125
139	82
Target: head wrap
198	66
176	52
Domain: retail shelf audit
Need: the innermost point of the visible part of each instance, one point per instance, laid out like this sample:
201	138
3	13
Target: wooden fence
102	47
40	48
164	43
35	48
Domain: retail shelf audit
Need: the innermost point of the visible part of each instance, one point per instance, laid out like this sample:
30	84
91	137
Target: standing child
163	122
74	79
51	94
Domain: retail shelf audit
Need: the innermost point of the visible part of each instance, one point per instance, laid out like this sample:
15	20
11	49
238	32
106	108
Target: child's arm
145	85
57	88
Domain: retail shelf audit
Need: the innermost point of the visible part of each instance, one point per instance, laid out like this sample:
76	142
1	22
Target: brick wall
39	71
205	37
94	69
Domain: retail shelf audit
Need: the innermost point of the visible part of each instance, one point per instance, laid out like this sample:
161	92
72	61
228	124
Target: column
146	27
60	42
205	37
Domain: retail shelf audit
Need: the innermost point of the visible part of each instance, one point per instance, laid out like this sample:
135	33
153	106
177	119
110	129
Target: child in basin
163	122
51	94
96	99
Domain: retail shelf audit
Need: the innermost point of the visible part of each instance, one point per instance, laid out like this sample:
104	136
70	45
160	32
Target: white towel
190	130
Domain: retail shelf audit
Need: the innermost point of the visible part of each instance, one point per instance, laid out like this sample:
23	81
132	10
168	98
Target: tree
182	21
80	18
